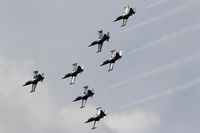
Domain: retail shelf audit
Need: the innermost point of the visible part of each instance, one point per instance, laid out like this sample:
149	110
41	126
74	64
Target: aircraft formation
78	69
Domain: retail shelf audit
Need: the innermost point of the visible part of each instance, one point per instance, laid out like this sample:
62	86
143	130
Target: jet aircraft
36	78
100	41
114	57
128	12
100	114
87	93
76	70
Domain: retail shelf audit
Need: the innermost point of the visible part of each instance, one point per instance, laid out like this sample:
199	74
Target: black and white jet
76	70
100	41
100	114
87	93
128	12
114	57
36	78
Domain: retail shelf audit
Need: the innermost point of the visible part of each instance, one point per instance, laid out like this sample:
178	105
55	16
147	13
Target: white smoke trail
164	15
170	36
169	92
174	65
156	4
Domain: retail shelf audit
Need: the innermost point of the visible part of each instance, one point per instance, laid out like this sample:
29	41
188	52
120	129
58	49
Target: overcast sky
51	35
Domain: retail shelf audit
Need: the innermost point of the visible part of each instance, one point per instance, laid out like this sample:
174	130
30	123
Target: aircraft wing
100	34
124	22
105	62
98	111
93	43
118	18
67	75
33	87
99	47
95	125
28	83
83	103
111	66
77	99
73	80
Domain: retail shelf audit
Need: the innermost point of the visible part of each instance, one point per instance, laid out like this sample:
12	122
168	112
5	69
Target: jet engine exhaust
164	15
169	92
156	4
173	35
185	61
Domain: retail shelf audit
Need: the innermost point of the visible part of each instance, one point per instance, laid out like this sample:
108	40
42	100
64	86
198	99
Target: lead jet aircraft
100	41
114	57
87	93
36	78
128	12
100	114
76	70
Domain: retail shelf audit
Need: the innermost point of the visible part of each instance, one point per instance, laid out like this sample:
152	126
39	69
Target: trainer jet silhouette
100	41
128	12
36	78
100	114
76	70
87	93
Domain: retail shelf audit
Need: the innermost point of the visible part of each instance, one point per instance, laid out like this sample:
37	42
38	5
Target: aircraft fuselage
89	94
75	73
35	81
105	37
97	118
117	57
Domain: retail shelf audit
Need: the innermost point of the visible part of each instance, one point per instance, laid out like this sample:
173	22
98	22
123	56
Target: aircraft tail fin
120	54
132	11
108	36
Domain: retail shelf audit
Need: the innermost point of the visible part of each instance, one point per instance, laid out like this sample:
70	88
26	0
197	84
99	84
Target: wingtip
82	107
